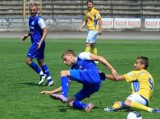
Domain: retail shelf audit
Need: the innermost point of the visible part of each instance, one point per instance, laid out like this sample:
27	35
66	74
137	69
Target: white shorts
91	36
137	98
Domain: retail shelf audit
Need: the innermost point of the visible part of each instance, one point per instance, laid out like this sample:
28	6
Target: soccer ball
134	115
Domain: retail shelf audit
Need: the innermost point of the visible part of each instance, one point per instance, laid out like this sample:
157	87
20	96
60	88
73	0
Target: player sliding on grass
142	87
84	71
38	33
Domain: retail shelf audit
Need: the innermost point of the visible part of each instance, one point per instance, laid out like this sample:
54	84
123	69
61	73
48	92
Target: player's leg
33	65
46	71
88	47
65	74
93	48
85	92
32	53
92	40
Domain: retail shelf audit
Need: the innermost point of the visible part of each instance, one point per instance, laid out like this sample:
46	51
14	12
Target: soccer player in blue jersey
84	71
37	33
142	84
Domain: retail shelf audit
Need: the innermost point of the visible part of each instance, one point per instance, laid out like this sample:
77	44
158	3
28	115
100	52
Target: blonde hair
33	4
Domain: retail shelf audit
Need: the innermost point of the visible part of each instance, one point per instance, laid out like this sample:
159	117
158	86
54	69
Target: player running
38	33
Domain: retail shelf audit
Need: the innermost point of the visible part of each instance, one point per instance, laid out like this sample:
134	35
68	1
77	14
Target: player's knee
92	45
41	62
28	62
70	103
63	73
127	103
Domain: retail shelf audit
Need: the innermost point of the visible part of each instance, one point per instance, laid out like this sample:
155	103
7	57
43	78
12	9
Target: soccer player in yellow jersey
142	84
94	23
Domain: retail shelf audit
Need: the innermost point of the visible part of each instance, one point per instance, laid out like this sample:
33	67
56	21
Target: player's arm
104	62
100	26
111	77
25	37
83	24
57	90
42	25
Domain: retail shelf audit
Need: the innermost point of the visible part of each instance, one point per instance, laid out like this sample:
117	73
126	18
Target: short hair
144	60
33	4
88	1
69	51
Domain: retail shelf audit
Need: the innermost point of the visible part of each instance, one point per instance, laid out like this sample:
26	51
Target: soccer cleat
108	109
42	79
49	83
59	97
89	107
156	110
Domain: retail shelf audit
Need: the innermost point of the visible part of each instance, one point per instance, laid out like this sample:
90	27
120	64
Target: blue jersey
35	30
85	71
36	35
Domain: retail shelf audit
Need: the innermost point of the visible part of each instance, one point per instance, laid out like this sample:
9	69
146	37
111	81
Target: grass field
19	92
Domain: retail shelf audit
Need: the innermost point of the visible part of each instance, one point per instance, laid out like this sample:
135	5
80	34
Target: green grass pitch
19	92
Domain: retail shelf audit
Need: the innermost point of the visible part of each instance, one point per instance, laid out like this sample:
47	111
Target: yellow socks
94	50
116	106
88	49
141	107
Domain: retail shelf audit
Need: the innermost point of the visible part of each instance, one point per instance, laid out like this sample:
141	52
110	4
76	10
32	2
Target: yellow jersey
142	83
92	16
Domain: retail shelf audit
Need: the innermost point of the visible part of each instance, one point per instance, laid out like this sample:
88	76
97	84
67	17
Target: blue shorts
87	90
85	76
34	53
90	79
91	36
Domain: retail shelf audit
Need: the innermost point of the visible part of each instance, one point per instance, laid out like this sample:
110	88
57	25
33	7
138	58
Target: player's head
90	4
69	57
141	63
33	8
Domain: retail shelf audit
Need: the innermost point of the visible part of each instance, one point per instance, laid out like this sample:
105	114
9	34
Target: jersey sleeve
131	76
97	14
84	55
41	23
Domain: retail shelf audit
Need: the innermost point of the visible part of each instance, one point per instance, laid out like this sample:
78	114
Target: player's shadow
30	83
65	108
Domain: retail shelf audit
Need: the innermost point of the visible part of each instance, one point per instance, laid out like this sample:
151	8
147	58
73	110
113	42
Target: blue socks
46	70
79	105
35	67
123	106
65	85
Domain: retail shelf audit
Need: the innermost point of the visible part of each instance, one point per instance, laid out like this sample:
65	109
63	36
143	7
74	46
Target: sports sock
88	49
45	70
49	79
123	106
116	106
79	105
35	67
94	50
65	85
141	107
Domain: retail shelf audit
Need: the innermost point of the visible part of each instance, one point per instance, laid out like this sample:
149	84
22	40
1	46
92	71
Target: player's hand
99	31
24	37
39	45
45	92
115	74
79	29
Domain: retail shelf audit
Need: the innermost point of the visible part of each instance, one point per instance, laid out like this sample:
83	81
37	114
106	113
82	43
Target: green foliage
19	90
